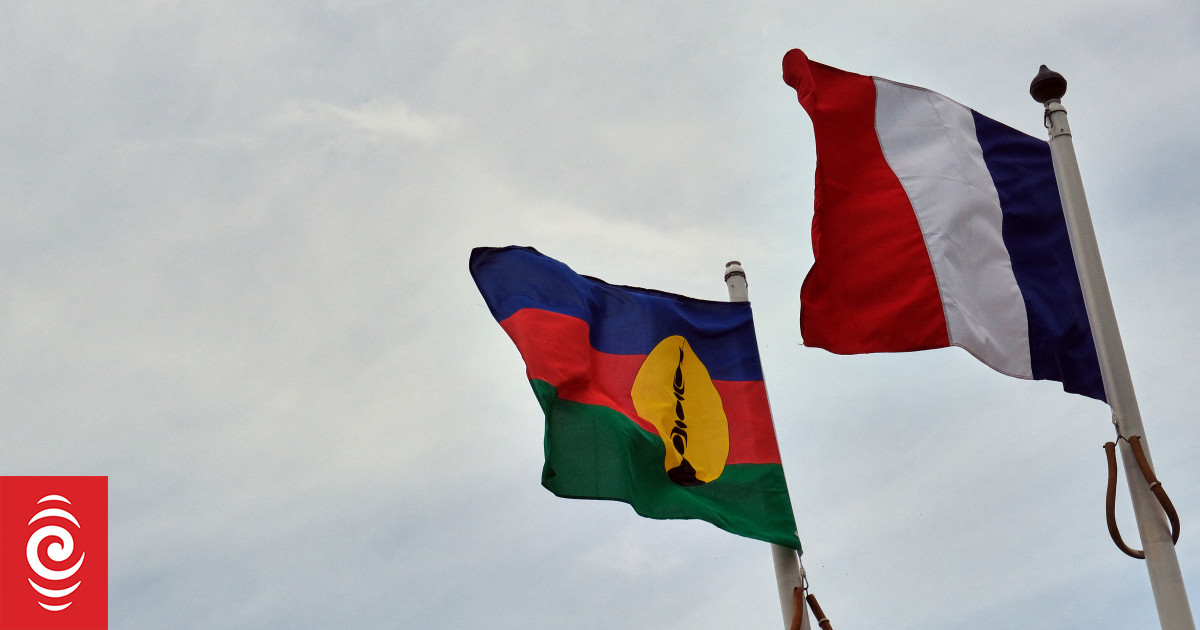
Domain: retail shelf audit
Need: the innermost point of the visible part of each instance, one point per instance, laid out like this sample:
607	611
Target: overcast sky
233	279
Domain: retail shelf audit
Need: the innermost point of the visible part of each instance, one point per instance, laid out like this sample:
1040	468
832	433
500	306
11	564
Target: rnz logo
52	554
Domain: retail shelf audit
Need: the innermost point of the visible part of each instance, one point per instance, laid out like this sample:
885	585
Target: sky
233	279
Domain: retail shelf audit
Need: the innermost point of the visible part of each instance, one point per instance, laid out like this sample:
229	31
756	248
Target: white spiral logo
58	552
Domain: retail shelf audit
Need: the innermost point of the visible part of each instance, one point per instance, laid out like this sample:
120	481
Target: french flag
935	226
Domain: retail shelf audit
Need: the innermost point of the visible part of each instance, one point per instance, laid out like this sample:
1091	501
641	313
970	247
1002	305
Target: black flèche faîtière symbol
684	474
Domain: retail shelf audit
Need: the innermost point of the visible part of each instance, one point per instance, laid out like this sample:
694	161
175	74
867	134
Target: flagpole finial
734	268
1048	85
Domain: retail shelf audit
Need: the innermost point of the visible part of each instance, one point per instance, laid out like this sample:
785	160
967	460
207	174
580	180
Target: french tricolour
935	226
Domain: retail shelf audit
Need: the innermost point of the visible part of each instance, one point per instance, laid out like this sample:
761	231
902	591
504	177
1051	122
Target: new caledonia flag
936	226
653	399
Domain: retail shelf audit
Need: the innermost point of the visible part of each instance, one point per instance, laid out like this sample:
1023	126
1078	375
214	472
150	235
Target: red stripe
871	288
556	349
751	432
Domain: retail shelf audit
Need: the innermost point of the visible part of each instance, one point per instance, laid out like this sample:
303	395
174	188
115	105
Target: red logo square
53	553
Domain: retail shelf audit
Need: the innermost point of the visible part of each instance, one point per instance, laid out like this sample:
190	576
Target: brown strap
1110	504
797	609
822	620
1155	486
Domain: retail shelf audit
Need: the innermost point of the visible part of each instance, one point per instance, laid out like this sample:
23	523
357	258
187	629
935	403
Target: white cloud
631	557
387	117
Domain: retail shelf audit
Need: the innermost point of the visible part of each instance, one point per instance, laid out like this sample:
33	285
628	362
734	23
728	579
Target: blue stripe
1035	233
623	320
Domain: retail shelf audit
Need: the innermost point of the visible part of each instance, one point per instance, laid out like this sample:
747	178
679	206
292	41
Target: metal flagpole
787	561
1166	579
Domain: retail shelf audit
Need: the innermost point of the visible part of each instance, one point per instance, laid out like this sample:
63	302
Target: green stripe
594	452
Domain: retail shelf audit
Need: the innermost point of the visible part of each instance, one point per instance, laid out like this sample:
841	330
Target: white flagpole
787	561
1166	579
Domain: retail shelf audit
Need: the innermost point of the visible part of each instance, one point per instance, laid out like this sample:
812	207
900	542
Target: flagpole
1166	579
787	562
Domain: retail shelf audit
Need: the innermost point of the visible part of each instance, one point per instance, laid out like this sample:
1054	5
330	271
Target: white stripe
56	593
929	141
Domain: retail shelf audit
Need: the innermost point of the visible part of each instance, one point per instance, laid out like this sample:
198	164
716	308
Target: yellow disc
674	392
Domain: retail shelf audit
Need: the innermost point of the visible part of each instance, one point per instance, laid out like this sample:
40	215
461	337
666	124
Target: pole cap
733	268
1047	85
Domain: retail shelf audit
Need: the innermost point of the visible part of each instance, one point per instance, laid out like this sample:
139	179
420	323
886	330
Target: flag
650	398
937	226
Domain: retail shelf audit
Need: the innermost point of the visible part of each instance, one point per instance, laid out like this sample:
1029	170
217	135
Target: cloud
379	119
